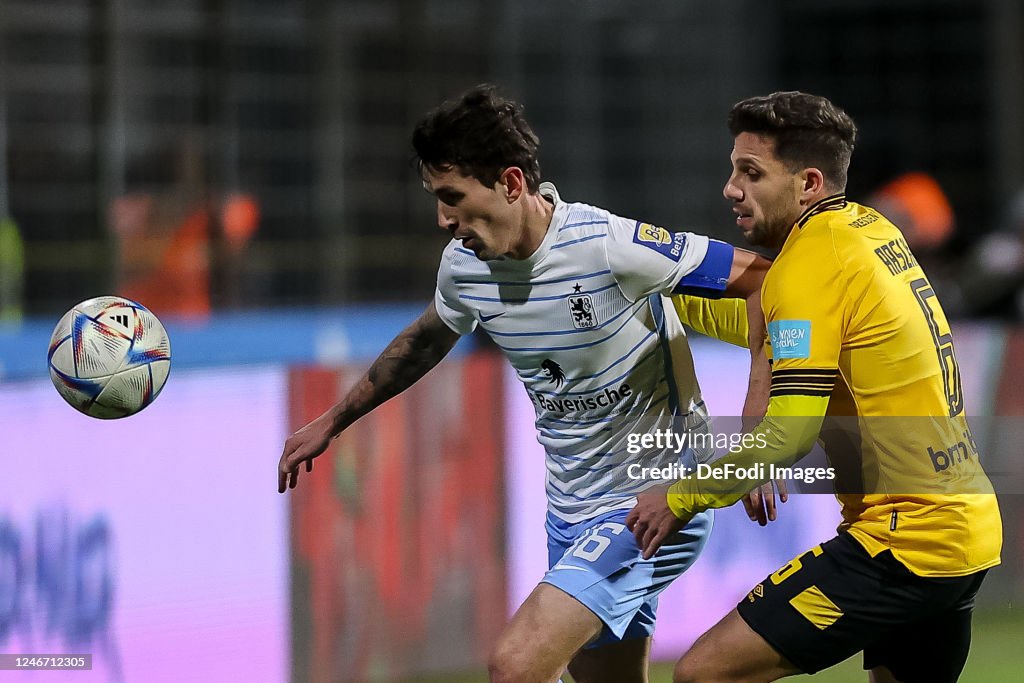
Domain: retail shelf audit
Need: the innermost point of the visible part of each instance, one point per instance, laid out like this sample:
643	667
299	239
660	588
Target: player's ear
813	183
513	183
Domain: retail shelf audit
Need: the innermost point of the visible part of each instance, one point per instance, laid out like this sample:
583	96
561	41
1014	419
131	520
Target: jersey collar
830	203
558	216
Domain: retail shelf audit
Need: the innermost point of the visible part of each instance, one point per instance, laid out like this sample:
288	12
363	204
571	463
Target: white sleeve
452	311
646	259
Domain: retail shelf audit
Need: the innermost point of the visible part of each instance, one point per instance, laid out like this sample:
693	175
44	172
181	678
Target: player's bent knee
701	663
506	665
688	670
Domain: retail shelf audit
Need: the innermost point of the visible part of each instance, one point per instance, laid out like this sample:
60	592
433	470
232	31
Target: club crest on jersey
581	308
660	240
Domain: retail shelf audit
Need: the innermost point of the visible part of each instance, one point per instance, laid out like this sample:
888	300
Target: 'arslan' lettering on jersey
896	256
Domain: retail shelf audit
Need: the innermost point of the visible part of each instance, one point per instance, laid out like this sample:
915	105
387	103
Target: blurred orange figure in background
167	248
919	207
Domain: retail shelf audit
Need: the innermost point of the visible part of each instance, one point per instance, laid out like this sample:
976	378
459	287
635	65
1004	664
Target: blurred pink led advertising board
156	543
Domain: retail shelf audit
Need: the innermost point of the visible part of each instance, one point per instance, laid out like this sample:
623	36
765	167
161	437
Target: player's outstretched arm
736	318
759	502
746	277
787	433
408	357
746	274
739	320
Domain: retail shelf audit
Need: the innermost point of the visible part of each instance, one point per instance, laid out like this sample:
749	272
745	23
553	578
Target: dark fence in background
278	131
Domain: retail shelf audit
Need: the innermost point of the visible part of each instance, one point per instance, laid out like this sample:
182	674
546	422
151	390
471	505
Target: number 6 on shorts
599	543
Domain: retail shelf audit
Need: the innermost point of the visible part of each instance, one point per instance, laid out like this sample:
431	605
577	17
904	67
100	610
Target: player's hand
651	521
760	502
302	447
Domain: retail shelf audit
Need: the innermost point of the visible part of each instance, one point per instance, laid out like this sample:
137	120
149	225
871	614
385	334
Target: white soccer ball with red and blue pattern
109	357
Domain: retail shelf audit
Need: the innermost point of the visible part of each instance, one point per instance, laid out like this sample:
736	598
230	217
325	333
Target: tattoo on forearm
406	359
410	356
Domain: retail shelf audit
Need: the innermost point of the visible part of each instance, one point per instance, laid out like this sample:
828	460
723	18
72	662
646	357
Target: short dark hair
808	130
482	134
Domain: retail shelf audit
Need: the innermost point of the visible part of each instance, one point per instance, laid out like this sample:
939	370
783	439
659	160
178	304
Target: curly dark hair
808	130
481	134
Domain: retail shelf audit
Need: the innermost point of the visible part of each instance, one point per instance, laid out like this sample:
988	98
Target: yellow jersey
861	346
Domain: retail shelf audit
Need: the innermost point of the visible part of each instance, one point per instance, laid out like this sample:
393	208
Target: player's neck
537	213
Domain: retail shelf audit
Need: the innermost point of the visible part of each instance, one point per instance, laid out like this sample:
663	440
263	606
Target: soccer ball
109	357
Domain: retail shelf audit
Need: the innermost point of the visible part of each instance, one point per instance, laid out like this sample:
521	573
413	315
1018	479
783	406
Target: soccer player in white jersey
575	297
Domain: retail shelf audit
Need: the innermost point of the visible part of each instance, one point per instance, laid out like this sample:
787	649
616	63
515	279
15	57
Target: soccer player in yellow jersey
858	339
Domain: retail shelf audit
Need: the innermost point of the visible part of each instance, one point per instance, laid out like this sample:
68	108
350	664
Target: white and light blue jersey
586	323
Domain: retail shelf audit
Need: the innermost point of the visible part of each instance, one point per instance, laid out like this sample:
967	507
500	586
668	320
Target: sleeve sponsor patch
660	240
790	338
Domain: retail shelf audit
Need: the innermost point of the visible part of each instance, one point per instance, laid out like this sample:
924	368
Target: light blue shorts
598	562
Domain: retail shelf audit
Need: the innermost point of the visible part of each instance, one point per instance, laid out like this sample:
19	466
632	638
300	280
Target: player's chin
747	226
484	254
754	236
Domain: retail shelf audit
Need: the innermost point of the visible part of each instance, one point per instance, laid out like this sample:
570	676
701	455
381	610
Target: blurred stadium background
243	168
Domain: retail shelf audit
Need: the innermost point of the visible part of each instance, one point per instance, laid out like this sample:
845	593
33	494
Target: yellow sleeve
806	311
724	319
786	434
